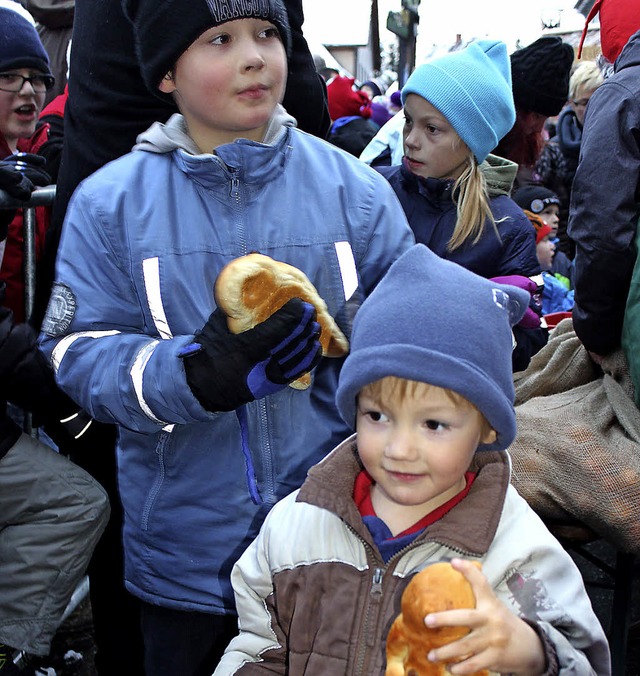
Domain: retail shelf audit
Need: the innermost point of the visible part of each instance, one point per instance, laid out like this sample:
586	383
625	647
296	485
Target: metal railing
40	197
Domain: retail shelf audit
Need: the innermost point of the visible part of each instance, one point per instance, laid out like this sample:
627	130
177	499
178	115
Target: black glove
30	166
225	370
14	182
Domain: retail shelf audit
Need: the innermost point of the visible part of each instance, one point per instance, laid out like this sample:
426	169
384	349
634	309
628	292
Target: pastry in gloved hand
436	588
225	370
251	288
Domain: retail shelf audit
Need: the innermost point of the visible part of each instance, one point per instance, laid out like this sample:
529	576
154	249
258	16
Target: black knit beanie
540	74
164	29
20	45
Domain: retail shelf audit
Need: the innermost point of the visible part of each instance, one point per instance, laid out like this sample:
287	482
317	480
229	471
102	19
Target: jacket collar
469	527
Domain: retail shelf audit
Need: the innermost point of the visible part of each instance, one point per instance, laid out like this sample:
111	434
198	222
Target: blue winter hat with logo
472	89
433	321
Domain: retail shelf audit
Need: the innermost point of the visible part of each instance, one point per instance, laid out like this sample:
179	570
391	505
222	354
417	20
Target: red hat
345	101
619	20
541	228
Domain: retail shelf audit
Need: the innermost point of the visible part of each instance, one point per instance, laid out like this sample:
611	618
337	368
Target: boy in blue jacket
210	436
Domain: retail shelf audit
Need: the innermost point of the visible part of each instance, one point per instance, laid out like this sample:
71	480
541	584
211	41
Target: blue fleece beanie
472	89
20	45
433	321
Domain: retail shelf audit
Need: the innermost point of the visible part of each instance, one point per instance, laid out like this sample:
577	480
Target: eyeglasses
14	82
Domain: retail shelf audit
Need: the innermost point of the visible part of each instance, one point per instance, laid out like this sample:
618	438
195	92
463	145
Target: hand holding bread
251	288
438	587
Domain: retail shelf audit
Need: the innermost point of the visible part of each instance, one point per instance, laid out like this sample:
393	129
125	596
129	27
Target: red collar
362	498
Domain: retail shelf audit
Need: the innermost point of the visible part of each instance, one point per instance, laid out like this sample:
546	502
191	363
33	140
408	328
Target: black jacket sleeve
604	215
306	95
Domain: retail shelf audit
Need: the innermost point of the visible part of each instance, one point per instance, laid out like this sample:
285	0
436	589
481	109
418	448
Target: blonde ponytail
472	203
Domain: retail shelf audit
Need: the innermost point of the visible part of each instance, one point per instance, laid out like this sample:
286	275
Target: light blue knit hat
472	89
435	322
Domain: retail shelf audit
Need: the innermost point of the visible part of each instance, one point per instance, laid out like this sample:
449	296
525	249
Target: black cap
540	75
164	29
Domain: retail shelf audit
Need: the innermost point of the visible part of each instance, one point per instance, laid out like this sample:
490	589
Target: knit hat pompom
20	45
540	227
540	75
472	89
164	29
432	321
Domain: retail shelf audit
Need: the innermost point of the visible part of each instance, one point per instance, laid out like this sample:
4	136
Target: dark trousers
184	643
116	615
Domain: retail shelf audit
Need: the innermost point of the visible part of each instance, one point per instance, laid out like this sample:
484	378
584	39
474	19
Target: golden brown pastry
438	587
251	288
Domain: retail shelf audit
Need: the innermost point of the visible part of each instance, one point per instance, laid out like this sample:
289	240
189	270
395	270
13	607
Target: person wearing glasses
559	160
25	77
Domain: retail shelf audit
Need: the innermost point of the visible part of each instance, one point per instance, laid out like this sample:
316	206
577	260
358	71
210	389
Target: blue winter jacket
144	240
432	215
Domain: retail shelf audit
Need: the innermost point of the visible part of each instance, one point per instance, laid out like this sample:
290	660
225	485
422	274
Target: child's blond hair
392	387
472	202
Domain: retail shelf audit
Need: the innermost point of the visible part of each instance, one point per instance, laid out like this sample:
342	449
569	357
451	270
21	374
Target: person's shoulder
120	168
503	206
318	151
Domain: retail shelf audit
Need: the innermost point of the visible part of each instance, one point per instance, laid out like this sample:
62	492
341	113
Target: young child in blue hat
425	479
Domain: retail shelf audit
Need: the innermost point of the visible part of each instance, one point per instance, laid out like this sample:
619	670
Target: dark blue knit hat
433	321
472	89
20	45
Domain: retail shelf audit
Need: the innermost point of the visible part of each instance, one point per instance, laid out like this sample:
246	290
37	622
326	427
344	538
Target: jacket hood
500	174
52	13
173	135
630	54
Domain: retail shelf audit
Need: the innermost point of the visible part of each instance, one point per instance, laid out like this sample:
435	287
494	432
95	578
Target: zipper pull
376	585
235	185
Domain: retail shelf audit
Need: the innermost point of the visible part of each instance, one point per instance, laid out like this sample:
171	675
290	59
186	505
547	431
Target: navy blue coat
604	204
431	213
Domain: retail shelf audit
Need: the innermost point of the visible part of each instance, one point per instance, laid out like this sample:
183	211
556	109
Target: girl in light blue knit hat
456	195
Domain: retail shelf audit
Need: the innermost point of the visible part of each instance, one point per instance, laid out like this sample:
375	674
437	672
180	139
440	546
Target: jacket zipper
376	593
234	193
155	489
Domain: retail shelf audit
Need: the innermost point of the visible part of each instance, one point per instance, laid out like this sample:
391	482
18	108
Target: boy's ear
489	437
167	85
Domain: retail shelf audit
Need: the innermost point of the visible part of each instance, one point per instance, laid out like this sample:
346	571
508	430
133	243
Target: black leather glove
225	370
31	169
